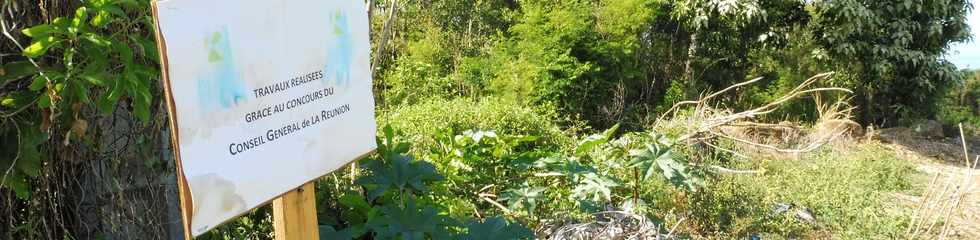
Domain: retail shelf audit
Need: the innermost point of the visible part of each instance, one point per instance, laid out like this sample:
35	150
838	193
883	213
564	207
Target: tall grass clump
848	190
422	122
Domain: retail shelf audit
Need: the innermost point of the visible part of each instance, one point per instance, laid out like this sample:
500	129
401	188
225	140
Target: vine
99	57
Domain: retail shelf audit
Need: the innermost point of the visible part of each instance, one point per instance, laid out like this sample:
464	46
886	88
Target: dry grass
948	207
704	124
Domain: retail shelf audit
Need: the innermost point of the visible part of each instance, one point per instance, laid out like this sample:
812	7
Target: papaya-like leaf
658	158
410	222
595	187
523	198
495	228
328	232
401	173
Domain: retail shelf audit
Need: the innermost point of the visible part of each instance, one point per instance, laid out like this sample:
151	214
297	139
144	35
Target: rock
806	216
781	208
930	129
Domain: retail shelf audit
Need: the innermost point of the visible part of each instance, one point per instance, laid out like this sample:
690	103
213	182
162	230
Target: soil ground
942	163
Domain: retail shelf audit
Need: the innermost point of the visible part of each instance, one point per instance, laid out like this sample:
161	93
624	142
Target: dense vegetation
509	118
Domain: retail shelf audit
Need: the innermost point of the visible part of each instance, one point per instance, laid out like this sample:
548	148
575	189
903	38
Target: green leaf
401	173
81	93
97	39
354	201
646	158
39	31
115	10
18	99
140	95
356	209
658	158
410	223
495	228
27	144
107	103
61	23
125	52
595	188
149	47
40	46
101	18
132	3
679	175
565	166
39	83
329	233
81	15
523	198
8	102
589	143
94	79
30	157
16	70
44	101
20	186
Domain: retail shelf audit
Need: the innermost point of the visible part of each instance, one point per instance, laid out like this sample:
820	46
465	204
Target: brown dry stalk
706	120
940	208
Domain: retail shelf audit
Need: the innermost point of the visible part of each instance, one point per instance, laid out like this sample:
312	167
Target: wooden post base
294	215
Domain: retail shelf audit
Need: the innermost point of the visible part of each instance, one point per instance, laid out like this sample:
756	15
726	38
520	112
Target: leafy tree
725	33
891	52
430	40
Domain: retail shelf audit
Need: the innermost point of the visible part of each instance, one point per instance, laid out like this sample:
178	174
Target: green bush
422	122
399	199
422	70
962	104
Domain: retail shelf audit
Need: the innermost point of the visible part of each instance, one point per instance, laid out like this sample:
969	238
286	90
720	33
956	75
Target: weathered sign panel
264	96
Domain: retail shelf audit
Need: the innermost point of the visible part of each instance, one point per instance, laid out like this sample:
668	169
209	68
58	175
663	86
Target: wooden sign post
294	214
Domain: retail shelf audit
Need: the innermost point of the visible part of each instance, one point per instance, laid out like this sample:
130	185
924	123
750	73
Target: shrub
847	190
395	202
962	105
421	71
422	122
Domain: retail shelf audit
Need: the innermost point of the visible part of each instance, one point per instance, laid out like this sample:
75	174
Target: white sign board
264	96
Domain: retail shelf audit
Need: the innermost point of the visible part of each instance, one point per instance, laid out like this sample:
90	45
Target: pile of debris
614	223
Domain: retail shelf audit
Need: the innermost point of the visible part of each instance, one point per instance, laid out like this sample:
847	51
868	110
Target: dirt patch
951	189
946	150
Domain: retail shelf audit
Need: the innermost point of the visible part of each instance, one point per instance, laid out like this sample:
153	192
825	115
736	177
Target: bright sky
967	55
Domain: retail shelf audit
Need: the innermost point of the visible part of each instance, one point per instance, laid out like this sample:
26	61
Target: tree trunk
688	69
